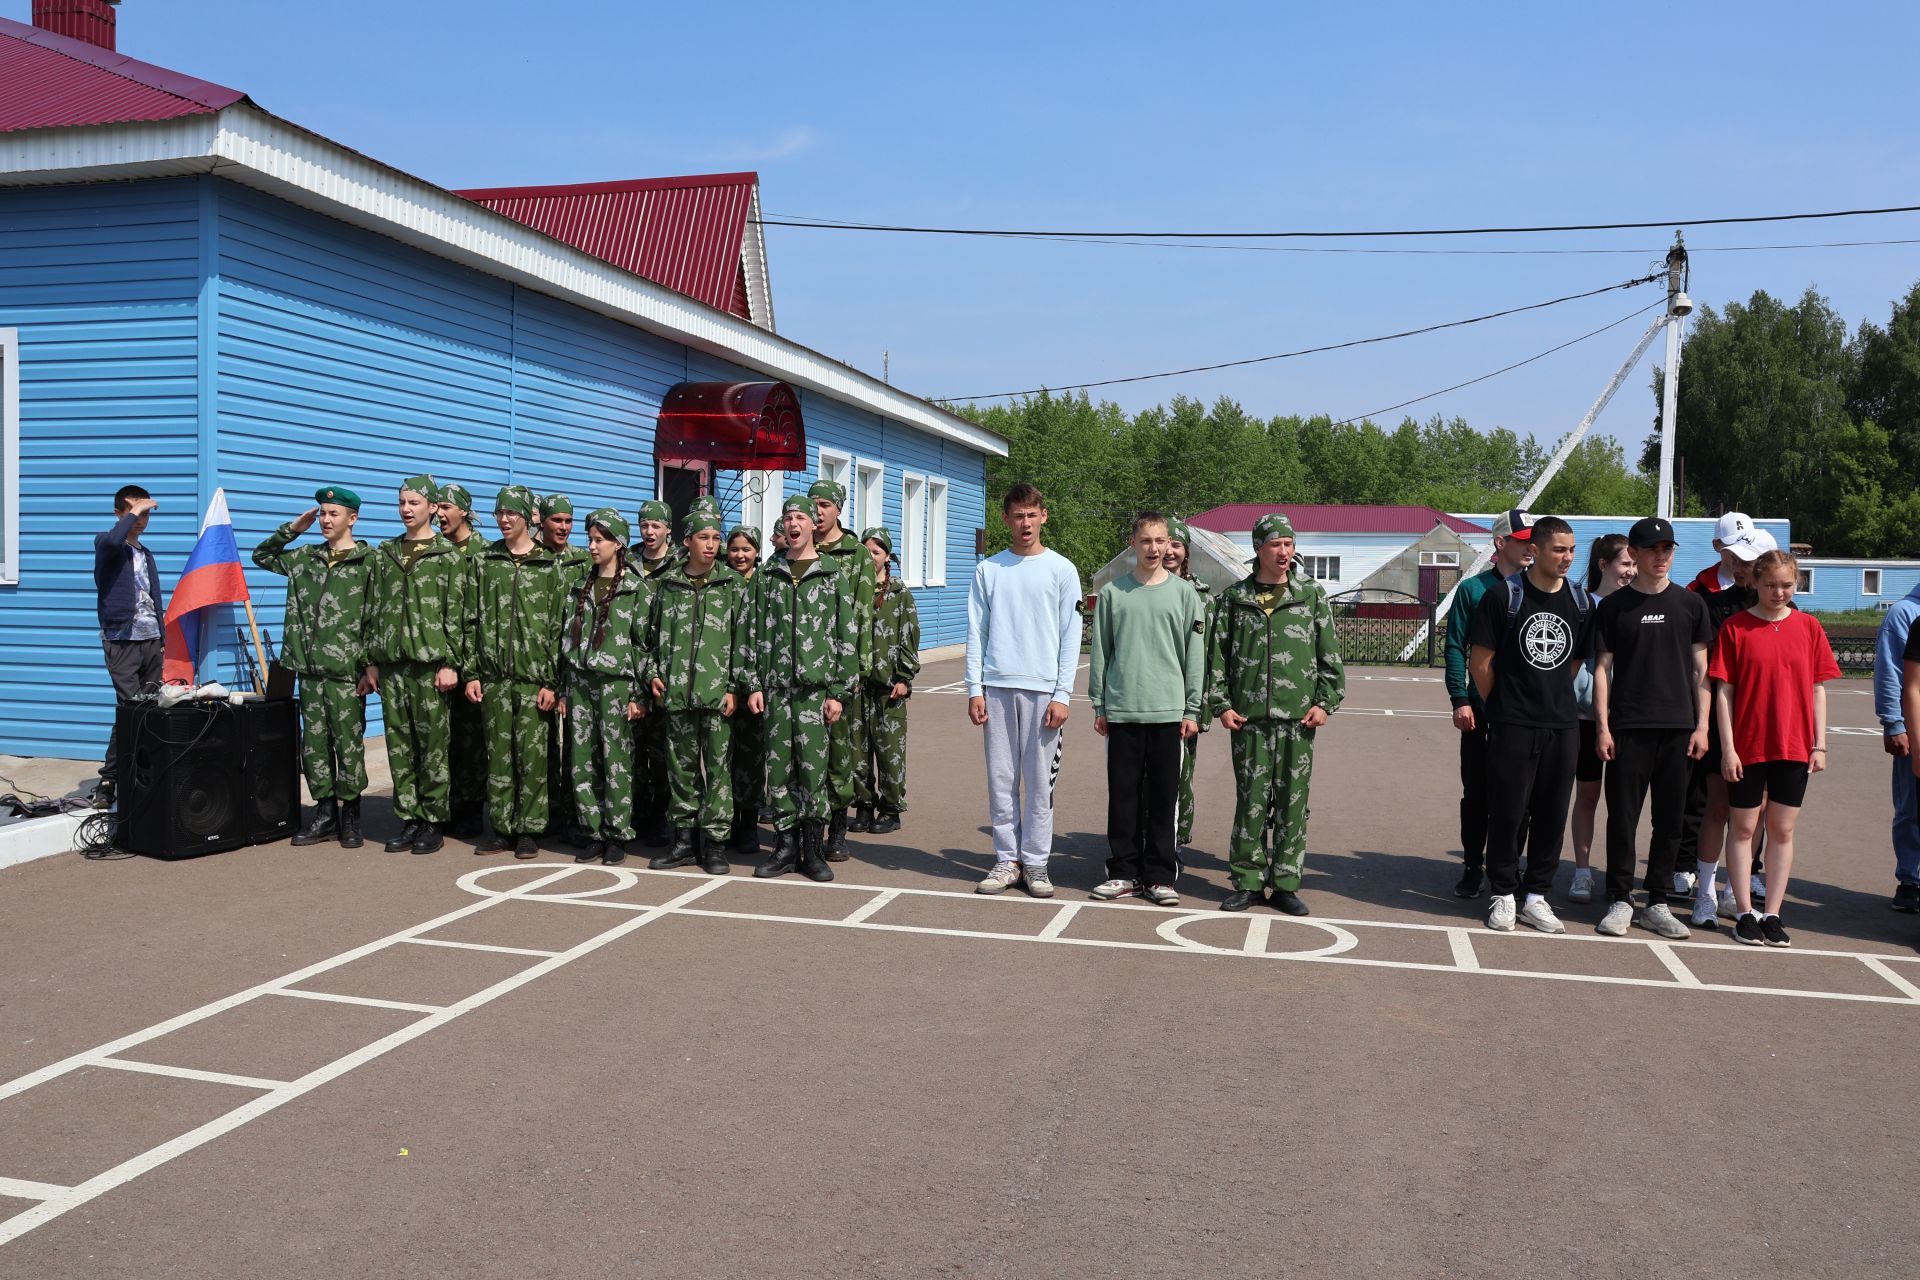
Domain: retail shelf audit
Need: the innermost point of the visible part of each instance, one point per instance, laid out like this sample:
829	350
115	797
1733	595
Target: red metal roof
684	233
48	81
1329	517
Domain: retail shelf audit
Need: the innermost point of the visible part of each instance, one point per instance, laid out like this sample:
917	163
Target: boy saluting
1276	677
326	646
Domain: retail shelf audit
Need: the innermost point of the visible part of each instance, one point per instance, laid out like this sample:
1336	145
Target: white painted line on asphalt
1663	952
1460	942
1058	925
21	1189
867	909
187	1073
335	998
1886	971
1258	927
478	946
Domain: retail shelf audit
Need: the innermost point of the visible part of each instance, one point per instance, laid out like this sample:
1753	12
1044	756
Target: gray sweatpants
1023	758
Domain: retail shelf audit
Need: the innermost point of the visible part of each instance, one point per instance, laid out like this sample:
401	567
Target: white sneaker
1683	884
1039	883
1614	923
1108	890
1540	916
1500	915
1757	886
1161	895
1004	875
1659	918
1582	890
1705	911
1725	903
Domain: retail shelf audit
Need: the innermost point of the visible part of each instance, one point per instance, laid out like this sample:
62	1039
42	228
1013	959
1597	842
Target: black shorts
1588	766
1781	781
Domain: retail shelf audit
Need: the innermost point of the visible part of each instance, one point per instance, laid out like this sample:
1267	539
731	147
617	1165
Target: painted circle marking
1343	941
622	879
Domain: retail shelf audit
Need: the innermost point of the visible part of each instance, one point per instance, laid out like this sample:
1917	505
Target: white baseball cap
1732	526
1750	543
1764	540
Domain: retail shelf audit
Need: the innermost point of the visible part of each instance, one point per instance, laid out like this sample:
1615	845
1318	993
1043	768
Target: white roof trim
246	145
753	261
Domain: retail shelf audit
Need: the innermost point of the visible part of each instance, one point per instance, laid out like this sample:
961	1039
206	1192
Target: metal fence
1853	648
1384	628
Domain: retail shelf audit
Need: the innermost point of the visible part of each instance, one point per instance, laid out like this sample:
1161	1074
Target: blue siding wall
330	354
1837	584
102	284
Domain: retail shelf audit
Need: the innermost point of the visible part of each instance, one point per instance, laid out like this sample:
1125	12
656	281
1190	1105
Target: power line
1308	351
1658	223
1591	333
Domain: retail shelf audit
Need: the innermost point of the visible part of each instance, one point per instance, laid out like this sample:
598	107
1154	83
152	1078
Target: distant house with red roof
1413	550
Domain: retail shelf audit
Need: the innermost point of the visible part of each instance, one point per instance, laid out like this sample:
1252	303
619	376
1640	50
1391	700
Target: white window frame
1805	585
937	490
762	509
1439	559
9	456
869	490
1873	575
837	466
1331	564
913	528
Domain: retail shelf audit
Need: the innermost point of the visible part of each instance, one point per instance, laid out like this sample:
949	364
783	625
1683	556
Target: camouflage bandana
458	495
832	490
797	503
880	535
747	531
422	485
558	504
517	498
1269	527
609	522
700	522
656	510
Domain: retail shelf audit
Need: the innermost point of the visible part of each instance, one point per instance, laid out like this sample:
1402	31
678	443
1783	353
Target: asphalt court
593	1070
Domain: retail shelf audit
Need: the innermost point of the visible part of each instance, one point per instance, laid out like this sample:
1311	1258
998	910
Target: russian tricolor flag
212	576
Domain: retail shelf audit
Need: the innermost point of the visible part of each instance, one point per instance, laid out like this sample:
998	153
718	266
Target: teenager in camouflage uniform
519	591
325	644
691	672
467	756
799	637
852	558
1275	676
556	528
602	661
879	710
420	599
749	730
652	556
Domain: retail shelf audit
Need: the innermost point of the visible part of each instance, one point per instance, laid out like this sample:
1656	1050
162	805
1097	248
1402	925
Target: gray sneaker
1540	916
1614	923
1162	895
1038	883
1108	890
1003	876
1660	919
1500	914
1582	890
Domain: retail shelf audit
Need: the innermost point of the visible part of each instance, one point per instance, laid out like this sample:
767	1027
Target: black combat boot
681	853
813	865
404	841
617	851
593	852
885	823
862	818
326	821
836	845
713	856
427	838
786	855
350	837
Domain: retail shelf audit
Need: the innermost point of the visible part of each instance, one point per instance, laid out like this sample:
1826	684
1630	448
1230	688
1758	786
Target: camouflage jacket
419	615
1274	666
799	632
650	569
326	628
692	637
475	545
517	605
896	636
851	557
575	564
621	651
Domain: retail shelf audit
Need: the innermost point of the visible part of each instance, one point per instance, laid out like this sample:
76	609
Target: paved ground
314	1063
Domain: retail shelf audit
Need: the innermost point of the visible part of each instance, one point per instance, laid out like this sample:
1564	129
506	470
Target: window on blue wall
1805	585
913	529
869	498
838	467
936	533
9	455
1869	582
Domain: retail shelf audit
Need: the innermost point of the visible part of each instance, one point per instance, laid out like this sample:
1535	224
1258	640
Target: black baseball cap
1649	532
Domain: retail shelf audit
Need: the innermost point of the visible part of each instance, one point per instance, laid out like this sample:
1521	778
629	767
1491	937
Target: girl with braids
602	657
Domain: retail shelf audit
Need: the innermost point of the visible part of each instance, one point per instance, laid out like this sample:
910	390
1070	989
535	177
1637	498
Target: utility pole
886	367
1678	305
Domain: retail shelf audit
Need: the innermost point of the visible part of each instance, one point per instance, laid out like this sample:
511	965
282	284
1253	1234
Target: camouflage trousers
650	767
799	785
1272	768
333	738
600	756
562	812
878	731
419	730
749	765
467	758
517	745
841	760
700	772
1183	815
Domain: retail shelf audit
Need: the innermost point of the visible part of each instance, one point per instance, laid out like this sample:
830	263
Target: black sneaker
1906	898
1747	929
1473	878
1771	931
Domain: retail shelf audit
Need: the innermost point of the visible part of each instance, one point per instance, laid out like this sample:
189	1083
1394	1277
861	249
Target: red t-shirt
1772	668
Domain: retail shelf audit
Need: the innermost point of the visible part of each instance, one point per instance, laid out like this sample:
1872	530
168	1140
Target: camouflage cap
797	503
339	495
1178	531
656	510
832	490
458	495
517	498
706	505
556	504
750	532
423	485
700	522
880	535
1271	526
609	522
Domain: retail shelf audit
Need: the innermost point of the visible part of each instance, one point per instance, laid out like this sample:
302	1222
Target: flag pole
259	672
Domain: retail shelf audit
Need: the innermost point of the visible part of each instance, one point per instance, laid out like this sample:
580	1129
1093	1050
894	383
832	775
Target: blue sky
1198	116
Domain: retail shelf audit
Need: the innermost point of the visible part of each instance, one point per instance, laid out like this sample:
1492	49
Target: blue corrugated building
1829	585
196	294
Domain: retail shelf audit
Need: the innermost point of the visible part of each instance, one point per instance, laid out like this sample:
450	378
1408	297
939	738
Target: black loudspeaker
205	777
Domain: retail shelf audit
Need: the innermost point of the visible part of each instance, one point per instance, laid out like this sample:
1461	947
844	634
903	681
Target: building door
679	486
1429	583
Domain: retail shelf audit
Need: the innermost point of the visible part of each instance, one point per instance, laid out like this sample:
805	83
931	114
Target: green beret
880	535
797	503
609	522
422	485
700	521
457	494
339	495
1178	531
1269	527
656	510
832	490
557	504
517	498
747	531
